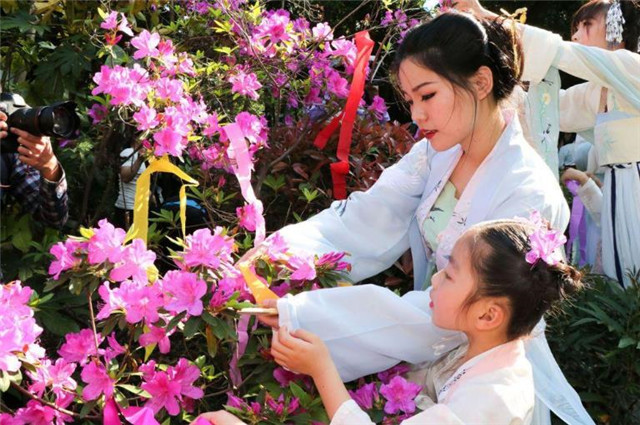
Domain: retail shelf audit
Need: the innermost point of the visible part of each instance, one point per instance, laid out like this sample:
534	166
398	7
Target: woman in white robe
368	328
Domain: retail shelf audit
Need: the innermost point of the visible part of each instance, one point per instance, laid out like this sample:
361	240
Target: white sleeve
579	107
128	157
372	226
617	70
591	196
368	328
349	413
481	403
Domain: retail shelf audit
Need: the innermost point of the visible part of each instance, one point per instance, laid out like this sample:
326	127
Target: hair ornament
544	242
614	23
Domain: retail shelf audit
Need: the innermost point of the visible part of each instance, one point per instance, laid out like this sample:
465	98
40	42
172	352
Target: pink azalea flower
280	406
167	88
246	84
254	129
79	346
165	49
98	380
97	113
378	108
400	395
365	395
140	416
337	85
156	335
141	302
124	25
146	45
112	301
223	291
185	292
38	414
146	117
212	125
388	18
165	393
55	375
247	217
114	349
285	377
345	49
399	369
110	22
106	243
65	259
276	247
18	328
168	141
304	267
207	249
186	374
136	259
322	31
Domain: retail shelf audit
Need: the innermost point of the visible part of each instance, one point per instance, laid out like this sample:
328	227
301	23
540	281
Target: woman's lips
428	133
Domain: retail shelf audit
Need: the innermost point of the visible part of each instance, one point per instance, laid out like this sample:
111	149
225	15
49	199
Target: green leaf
5	382
298	392
191	327
21	234
135	390
219	327
56	322
626	342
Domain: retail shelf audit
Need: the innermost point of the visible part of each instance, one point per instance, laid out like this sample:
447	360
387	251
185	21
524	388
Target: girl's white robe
495	387
368	328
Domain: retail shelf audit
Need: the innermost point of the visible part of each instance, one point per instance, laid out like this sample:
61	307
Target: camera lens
59	120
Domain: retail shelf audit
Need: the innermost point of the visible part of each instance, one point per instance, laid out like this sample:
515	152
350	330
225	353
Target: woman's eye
427	96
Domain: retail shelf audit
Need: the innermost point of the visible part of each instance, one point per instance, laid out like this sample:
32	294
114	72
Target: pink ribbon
577	224
242	169
243	340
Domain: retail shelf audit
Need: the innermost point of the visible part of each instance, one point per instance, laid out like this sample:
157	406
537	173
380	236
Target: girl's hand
573	174
219	417
300	351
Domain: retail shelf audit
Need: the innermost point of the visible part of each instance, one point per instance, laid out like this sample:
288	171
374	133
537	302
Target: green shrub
596	341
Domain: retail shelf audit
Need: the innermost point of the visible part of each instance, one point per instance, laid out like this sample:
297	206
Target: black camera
57	120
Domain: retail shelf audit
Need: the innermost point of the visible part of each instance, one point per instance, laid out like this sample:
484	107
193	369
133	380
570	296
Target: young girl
501	278
606	55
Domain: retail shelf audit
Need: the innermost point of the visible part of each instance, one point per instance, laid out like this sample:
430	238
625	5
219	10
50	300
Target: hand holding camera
25	131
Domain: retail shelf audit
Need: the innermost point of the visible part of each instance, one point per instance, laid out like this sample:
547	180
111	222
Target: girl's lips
431	304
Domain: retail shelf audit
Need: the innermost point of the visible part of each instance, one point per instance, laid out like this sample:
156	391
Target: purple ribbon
577	224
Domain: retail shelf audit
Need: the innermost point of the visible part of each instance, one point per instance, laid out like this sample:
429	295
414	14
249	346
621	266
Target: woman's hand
219	417
271	320
300	351
573	174
474	7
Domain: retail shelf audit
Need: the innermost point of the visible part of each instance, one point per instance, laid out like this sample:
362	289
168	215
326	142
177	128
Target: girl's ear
493	316
483	82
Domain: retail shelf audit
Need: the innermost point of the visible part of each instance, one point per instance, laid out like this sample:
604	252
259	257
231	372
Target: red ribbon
340	169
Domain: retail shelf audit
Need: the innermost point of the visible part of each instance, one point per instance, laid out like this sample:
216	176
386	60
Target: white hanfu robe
368	328
495	387
616	134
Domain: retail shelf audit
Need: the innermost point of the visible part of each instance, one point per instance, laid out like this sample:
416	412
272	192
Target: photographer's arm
37	179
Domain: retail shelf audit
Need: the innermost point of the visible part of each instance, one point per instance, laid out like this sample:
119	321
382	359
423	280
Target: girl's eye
427	96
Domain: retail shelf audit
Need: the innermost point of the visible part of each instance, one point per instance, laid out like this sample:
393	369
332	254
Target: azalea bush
145	346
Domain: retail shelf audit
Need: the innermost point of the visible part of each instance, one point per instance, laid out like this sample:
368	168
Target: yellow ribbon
140	225
259	290
521	16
